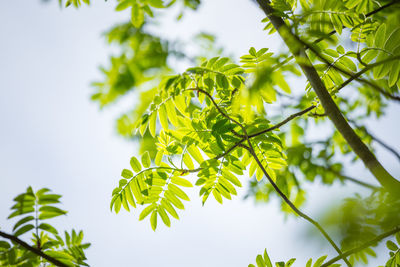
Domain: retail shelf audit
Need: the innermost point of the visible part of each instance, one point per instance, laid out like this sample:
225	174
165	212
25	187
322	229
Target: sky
53	136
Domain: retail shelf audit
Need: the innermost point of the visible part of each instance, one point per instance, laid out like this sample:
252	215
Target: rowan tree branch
354	180
252	152
357	76
277	66
363	246
277	126
353	76
292	206
33	249
296	47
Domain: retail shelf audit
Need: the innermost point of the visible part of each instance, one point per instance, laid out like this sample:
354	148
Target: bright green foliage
215	119
33	210
140	9
362	219
159	189
264	261
75	3
195	128
199	119
143	57
394	253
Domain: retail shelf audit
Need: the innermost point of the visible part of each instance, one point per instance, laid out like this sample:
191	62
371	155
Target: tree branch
334	31
363	246
378	140
353	76
296	47
251	150
33	249
292	206
291	117
356	76
351	179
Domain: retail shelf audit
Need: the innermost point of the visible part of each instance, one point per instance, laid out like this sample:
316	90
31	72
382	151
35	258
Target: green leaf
156	3
320	260
153	220
172	116
162	115
174	200
168	207
164	216
117	203
181	182
124	201
146	161
180	103
127	173
158	159
135	164
47	212
267	259
253	52
195	153
48	228
137	15
188	161
230	177
222	81
20	211
380	36
4	245
178	192
260	262
391	245
340	49
23	221
24	229
217	196
145	212
134	185
152	123
48	199
129	196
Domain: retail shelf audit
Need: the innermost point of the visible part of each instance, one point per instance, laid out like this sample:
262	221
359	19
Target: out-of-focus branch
363	246
378	140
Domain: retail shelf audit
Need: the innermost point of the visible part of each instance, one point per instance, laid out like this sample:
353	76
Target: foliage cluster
216	120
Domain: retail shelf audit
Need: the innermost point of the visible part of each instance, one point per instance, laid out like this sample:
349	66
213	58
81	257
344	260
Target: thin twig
33	249
291	117
378	140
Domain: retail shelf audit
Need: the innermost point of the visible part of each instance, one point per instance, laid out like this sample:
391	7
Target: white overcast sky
52	136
